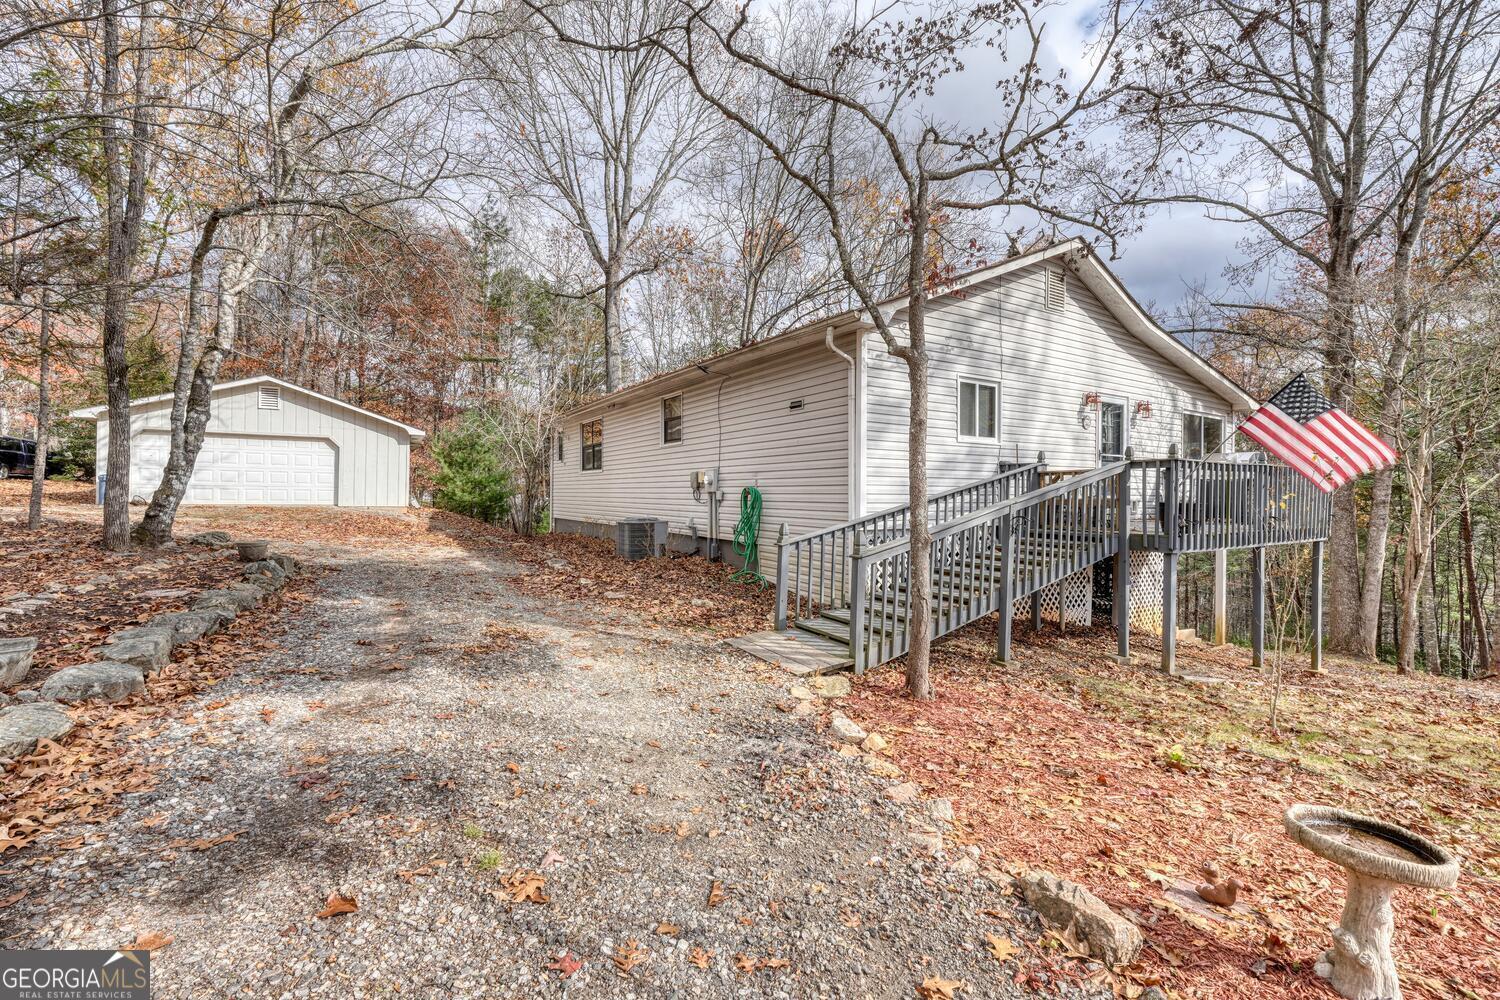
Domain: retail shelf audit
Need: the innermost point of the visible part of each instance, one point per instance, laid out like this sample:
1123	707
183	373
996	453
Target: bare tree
599	133
1321	125
880	75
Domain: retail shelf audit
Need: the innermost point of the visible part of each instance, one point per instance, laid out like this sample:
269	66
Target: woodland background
471	216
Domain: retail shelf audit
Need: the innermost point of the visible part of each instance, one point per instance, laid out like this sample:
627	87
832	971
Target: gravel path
427	738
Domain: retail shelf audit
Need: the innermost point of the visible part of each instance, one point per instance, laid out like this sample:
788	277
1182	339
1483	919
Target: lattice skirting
1145	591
1075	595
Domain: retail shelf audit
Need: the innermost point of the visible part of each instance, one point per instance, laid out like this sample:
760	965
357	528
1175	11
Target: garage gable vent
270	397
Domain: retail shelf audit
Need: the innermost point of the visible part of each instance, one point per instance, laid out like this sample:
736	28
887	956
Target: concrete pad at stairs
149	650
22	725
799	653
15	660
102	681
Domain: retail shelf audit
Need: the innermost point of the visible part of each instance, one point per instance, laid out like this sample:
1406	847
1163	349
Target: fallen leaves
700	956
149	941
1001	948
629	955
938	988
716	893
668	930
565	965
526	887
337	905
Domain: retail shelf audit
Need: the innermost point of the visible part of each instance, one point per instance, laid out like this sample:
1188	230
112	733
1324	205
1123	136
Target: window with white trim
1057	288
1201	435
593	445
671	420
978	410
270	397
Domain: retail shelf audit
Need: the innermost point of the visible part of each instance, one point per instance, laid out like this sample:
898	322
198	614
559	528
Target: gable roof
99	412
1075	251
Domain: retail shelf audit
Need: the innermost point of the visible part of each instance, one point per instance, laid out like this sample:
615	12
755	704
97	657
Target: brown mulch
1129	782
678	592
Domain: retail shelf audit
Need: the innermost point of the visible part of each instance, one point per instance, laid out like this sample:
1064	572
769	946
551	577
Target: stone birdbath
1378	857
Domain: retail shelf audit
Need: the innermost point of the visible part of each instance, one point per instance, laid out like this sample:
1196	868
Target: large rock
15	660
253	549
1079	915
105	681
149	649
237	597
22	725
186	626
289	564
846	730
266	574
211	538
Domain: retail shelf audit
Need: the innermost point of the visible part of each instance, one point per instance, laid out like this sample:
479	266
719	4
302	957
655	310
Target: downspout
852	396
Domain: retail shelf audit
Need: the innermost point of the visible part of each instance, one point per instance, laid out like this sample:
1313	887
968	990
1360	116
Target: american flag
1302	427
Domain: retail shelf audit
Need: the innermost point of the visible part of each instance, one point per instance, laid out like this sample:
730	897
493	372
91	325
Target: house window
593	445
270	397
671	420
1201	435
978	410
559	445
1057	288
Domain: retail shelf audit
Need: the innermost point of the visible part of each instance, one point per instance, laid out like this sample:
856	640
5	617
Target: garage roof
98	412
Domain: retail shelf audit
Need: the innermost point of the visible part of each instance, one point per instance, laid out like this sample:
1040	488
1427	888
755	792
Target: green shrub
470	477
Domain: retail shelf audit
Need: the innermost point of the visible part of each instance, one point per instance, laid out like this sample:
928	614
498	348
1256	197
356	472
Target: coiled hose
746	537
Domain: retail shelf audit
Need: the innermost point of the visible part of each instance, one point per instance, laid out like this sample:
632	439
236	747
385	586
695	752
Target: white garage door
233	469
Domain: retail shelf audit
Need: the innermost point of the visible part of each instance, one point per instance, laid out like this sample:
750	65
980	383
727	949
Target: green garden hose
746	535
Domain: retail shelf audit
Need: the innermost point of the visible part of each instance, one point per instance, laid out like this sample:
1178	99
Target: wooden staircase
981	561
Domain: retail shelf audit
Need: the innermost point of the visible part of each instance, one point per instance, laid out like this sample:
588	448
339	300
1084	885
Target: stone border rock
128	656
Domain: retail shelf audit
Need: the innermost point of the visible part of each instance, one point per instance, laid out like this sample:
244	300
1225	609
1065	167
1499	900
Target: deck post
1221	596
781	578
1036	612
1121	598
1258	608
1007	604
857	606
1169	612
1317	607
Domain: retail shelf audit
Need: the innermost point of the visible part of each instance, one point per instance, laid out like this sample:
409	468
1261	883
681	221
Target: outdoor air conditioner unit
640	538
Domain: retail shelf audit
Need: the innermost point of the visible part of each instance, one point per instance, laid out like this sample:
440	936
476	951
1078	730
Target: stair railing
984	561
812	569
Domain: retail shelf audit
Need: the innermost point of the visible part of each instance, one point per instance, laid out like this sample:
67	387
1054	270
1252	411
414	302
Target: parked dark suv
17	457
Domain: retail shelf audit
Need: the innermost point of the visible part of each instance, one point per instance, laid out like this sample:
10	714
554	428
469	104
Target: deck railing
1184	505
811	569
985	561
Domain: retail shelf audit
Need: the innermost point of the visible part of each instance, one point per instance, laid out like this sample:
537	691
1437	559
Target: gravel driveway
507	788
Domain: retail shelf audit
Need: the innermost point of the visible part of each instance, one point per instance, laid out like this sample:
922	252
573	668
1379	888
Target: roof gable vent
270	397
1057	288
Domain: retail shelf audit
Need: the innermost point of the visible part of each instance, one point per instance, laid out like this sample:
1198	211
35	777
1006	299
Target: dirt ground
425	649
1129	782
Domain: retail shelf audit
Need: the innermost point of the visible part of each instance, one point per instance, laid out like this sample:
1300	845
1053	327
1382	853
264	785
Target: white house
271	442
1043	352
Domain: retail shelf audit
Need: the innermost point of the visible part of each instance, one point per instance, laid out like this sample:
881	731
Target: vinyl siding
999	331
798	459
373	457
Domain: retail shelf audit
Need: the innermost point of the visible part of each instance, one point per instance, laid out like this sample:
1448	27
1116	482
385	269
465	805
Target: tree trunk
1481	628
613	369
155	528
919	586
43	416
124	194
1344	604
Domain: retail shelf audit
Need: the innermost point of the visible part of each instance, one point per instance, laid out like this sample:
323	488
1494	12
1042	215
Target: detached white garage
270	442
